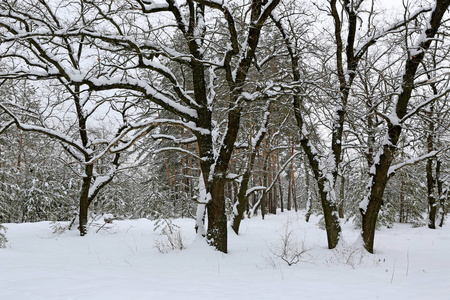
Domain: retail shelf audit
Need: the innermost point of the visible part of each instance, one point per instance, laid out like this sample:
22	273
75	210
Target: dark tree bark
309	204
443	193
431	146
291	178
281	195
402	214
294	193
342	197
84	196
273	202
432	206
217	220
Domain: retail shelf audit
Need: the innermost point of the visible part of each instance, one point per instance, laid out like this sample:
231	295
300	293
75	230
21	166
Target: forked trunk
370	207
369	222
242	202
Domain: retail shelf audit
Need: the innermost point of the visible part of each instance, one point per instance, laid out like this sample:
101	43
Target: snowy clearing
122	262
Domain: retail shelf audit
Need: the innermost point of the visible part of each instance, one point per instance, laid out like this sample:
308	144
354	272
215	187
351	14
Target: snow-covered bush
3	239
35	185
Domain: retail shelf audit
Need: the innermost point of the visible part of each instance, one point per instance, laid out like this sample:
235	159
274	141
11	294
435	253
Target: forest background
219	111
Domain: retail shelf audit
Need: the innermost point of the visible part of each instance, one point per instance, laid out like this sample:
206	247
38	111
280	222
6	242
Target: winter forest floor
122	262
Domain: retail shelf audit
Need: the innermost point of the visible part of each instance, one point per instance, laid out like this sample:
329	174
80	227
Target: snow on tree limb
49	132
177	149
394	168
418	107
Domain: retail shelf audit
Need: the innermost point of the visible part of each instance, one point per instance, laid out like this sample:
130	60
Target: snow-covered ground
122	262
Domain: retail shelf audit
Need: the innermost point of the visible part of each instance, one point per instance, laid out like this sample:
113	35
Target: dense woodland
222	110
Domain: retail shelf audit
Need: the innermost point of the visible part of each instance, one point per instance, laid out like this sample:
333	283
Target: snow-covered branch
178	149
394	168
418	107
46	131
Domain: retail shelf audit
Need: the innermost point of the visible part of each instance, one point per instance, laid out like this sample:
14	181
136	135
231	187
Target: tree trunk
84	199
432	207
279	180
217	220
442	209
441	192
332	224
216	233
242	202
342	197
281	195
19	155
289	201
266	157
402	201
273	201
370	214
308	194
294	193
291	178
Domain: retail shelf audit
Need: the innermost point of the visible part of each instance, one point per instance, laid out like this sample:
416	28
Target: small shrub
171	237
58	228
418	223
3	239
288	249
108	218
351	255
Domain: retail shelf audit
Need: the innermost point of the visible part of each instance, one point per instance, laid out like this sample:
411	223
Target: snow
204	196
179	149
364	204
254	189
100	180
121	262
138	84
